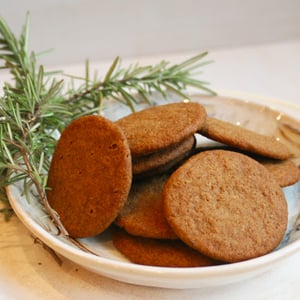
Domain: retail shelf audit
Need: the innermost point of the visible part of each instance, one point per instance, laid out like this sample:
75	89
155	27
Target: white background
99	29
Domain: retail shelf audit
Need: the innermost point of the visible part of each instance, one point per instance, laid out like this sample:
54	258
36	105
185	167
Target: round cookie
160	158
226	205
90	175
285	171
244	139
143	213
162	126
162	253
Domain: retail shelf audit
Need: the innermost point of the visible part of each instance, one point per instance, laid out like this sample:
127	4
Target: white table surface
29	272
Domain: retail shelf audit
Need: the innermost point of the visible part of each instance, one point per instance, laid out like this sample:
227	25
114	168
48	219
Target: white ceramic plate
111	264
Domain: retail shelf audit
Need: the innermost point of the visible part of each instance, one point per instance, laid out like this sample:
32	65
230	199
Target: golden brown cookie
90	175
163	253
285	171
143	213
226	205
244	139
159	127
160	158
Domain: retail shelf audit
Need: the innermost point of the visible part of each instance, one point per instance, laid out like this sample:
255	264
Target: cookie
285	171
160	158
143	213
244	139
90	175
159	127
226	205
167	168
162	253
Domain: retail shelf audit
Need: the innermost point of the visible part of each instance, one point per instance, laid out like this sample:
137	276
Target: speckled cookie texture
244	139
152	162
285	172
159	127
143	213
156	252
226	205
90	175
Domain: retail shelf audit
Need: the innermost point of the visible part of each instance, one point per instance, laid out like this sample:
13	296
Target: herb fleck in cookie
90	175
226	205
244	139
143	213
163	253
161	126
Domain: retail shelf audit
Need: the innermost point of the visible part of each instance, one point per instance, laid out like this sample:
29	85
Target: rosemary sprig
36	107
122	83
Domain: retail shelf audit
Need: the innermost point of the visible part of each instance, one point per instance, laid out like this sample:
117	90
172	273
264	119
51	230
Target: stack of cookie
177	205
162	136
